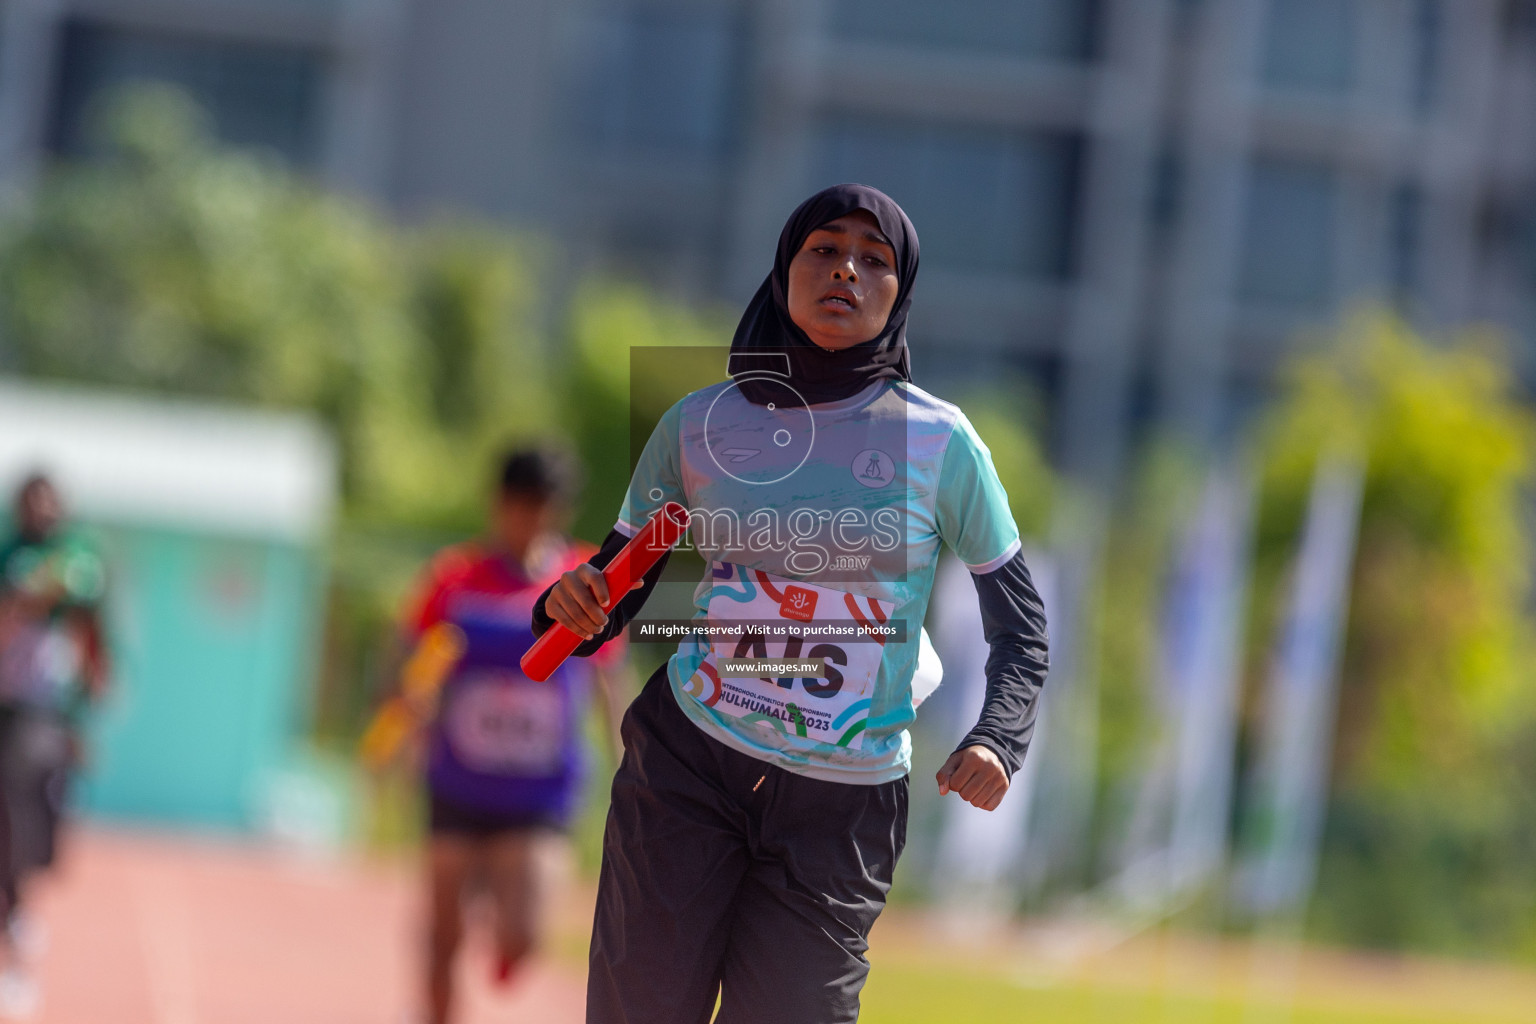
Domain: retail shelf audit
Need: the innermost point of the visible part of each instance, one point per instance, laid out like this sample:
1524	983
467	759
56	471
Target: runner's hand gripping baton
634	560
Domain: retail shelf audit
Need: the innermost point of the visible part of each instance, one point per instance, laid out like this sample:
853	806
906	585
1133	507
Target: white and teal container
212	521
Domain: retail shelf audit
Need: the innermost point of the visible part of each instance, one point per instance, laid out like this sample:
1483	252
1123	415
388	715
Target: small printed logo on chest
873	468
798	604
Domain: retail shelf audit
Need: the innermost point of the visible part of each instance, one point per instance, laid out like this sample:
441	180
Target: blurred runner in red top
504	757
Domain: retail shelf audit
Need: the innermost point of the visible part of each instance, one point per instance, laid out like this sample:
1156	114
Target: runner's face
517	519
843	283
38	511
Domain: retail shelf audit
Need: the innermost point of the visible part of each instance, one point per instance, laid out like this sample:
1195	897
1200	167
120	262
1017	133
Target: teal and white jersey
821	526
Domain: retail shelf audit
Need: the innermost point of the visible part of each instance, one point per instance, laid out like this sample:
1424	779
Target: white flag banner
1179	827
1064	780
1206	678
1289	789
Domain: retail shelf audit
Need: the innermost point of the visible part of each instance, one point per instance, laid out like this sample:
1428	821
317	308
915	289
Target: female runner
757	816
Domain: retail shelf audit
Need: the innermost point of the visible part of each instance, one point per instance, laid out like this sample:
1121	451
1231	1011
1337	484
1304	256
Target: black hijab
766	328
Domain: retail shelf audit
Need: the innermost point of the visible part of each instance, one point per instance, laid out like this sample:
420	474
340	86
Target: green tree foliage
628	358
488	380
1434	827
169	266
1141	545
173	266
1004	426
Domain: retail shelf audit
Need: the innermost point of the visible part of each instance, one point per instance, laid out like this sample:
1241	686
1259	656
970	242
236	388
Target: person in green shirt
53	665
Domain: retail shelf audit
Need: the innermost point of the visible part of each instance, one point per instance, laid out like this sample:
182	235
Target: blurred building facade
1140	204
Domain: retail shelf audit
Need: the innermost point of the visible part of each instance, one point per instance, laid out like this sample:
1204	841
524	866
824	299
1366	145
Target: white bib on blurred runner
505	722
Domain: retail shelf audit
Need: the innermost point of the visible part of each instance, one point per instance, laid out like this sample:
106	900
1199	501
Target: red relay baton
658	536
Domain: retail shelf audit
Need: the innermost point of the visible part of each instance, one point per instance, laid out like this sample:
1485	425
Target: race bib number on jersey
506	724
768	612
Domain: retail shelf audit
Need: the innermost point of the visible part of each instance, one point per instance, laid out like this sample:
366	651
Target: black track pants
723	875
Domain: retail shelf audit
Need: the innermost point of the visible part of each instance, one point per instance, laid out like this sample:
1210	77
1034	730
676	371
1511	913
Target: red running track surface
157	929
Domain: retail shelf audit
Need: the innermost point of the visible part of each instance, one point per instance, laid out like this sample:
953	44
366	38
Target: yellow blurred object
434	656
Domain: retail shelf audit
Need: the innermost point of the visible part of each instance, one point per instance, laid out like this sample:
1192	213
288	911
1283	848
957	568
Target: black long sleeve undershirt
1013	622
626	609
